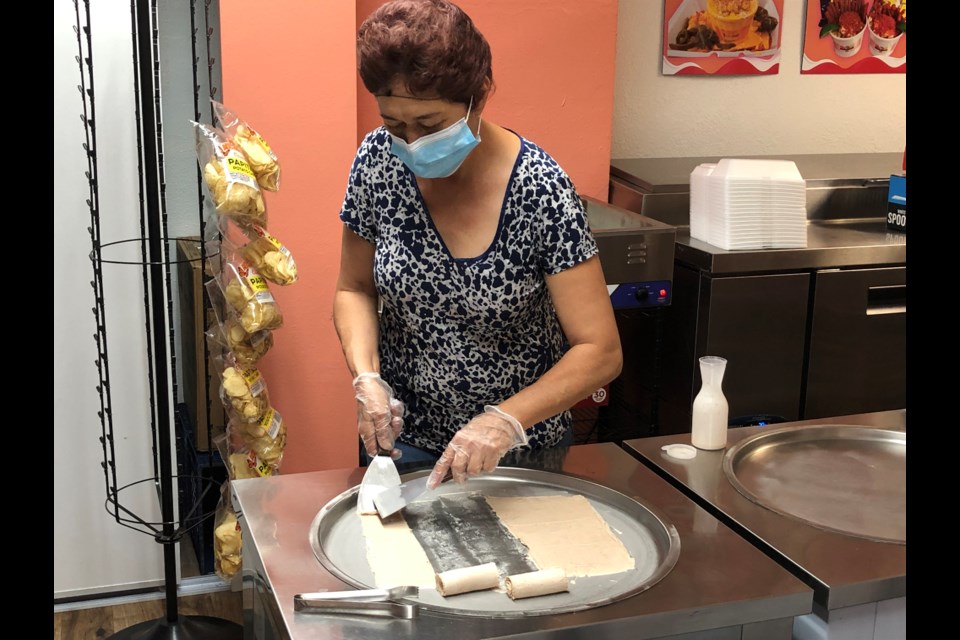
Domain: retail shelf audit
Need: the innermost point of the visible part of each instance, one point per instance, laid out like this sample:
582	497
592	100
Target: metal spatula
393	499
381	475
373	602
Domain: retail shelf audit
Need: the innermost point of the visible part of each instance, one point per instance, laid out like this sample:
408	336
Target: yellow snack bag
243	389
248	348
270	257
254	244
227	537
262	159
248	294
266	438
228	176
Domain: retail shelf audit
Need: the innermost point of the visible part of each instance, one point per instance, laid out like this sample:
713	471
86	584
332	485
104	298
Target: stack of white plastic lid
749	204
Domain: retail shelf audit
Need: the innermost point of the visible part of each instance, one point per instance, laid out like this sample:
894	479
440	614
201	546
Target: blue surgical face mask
438	154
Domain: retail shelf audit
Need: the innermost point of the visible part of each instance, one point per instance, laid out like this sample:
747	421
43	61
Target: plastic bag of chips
247	348
228	333
243	389
246	292
228	176
262	159
227	537
266	438
241	461
265	252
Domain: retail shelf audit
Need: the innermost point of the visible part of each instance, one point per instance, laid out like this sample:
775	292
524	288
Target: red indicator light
663	293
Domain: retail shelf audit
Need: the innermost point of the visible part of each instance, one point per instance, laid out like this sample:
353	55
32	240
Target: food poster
855	36
721	37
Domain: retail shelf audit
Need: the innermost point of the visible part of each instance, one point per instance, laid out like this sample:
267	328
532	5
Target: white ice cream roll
463	580
536	583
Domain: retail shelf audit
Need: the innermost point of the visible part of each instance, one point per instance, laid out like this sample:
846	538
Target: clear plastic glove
379	414
478	446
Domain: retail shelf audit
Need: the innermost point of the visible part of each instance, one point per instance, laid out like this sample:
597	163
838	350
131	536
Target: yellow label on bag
257	282
262	468
253	378
271	423
266	147
260	231
236	169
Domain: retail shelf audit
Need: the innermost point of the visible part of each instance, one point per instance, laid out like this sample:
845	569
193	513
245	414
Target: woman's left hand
478	446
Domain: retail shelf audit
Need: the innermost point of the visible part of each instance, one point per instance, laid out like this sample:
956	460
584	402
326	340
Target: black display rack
154	263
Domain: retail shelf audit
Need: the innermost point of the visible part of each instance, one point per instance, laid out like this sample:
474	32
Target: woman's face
410	117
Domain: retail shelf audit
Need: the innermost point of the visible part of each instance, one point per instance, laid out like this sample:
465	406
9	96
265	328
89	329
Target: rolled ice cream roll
536	583
465	579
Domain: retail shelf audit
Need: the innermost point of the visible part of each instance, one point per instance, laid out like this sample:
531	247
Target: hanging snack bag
228	176
266	438
248	348
263	161
228	332
267	254
247	292
244	463
241	462
227	537
243	390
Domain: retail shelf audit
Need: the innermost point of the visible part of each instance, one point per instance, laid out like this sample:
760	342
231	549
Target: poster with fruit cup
855	36
721	37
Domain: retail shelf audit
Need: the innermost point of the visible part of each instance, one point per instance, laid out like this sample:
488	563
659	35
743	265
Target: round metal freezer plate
840	478
336	537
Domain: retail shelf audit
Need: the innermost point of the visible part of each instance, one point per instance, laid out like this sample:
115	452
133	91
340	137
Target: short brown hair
431	46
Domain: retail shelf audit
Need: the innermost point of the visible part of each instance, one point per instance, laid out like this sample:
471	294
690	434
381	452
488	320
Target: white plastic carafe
710	409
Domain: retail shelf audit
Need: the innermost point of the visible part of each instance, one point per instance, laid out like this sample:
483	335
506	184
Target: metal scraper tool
393	499
381	475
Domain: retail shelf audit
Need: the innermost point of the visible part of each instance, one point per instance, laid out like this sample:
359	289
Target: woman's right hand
379	414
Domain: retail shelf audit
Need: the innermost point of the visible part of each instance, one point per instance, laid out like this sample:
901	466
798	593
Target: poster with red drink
855	36
721	37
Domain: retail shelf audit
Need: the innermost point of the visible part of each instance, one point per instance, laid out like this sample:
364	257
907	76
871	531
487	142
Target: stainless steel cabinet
858	351
813	332
799	346
757	322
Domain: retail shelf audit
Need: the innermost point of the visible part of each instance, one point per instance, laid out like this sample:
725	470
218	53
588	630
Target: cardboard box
897	204
202	397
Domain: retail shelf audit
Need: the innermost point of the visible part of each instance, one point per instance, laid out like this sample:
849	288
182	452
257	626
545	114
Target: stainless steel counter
844	570
831	244
666	175
846	211
721	587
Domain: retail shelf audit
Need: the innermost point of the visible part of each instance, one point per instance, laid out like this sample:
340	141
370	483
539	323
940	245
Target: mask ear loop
467	117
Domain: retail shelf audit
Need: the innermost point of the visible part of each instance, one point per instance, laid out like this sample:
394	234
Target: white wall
665	116
92	552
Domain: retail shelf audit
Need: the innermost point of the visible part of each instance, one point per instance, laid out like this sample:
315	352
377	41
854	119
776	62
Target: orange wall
289	68
553	67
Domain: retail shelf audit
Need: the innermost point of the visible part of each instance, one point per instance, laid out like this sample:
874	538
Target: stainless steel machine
808	333
300	536
637	255
825	498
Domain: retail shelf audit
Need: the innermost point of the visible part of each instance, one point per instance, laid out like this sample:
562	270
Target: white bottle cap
680	451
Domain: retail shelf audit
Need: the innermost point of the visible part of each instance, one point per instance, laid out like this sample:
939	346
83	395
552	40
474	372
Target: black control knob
641	294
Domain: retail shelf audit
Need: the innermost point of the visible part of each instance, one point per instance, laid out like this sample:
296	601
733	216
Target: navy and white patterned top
456	334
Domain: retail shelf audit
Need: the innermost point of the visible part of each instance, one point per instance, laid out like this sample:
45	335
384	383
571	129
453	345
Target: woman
473	244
